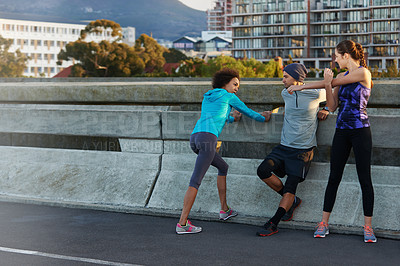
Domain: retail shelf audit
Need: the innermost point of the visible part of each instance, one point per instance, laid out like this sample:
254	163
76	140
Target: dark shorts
290	161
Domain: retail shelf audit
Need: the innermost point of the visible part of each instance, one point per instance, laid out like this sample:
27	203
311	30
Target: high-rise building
308	30
218	18
42	41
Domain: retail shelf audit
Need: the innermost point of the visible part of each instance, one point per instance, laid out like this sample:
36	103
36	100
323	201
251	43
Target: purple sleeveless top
353	100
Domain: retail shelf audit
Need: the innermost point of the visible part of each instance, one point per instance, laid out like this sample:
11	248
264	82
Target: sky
199	4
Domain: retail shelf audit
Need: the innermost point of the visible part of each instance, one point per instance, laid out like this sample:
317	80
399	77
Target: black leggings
204	144
361	141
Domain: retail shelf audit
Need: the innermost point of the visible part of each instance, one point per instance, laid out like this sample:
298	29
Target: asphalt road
44	235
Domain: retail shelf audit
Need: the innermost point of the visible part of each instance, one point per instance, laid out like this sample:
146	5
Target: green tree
191	68
173	55
104	59
11	64
247	68
391	72
150	52
101	25
290	60
274	69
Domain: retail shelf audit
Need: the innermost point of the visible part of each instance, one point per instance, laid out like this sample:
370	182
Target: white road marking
63	257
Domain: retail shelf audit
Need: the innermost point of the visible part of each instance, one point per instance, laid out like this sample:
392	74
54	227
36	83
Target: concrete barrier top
384	93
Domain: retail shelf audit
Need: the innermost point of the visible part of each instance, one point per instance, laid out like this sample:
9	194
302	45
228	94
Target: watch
326	108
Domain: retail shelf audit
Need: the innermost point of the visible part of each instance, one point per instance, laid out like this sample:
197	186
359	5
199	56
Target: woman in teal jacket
215	112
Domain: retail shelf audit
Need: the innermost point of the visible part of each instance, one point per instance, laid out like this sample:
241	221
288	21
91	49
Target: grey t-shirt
300	121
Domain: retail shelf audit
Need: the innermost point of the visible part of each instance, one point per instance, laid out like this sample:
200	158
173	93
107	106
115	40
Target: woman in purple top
351	93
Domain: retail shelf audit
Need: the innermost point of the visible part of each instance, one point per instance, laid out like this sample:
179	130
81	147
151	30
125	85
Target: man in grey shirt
298	139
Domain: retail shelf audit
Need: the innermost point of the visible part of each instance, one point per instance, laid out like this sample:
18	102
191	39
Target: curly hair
354	49
223	77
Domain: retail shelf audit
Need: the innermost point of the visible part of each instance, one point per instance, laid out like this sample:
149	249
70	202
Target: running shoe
228	214
322	230
289	214
268	229
189	228
369	236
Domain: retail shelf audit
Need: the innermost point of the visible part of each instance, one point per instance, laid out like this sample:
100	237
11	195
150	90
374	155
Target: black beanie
296	71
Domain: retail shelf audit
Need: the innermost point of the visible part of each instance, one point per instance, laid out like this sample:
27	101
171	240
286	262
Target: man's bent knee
265	169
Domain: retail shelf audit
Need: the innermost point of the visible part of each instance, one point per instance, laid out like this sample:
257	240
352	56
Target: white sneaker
189	228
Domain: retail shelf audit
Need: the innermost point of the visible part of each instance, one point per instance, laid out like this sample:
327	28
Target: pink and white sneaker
189	228
228	214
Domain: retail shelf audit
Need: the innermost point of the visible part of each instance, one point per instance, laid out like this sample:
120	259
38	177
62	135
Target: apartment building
309	30
42	41
218	18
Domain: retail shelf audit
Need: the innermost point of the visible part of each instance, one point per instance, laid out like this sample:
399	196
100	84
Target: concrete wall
150	171
182	92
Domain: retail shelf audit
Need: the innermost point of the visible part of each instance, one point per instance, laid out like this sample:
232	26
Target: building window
381	26
257	31
297	30
381	13
257	20
324	52
324	64
297	5
36	29
297	18
395	13
364	40
380	51
330	16
386	38
273	19
242	32
239	54
258	6
179	45
242	6
357	27
257	43
296	42
327	29
335	4
381	2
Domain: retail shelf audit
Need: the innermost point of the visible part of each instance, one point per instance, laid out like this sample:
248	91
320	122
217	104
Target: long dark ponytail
354	49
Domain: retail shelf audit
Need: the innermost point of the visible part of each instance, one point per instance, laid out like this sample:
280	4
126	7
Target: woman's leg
204	145
222	167
362	147
340	152
221	184
188	201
